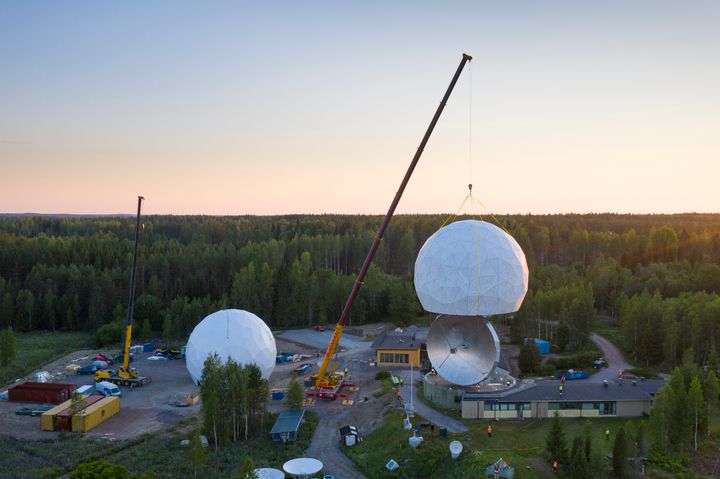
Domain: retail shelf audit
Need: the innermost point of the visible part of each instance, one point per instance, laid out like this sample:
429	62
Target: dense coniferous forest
657	276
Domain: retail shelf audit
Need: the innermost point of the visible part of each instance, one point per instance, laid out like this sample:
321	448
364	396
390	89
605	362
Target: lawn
520	443
152	455
36	349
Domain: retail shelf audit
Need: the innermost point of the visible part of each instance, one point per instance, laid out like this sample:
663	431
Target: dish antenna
456	448
462	349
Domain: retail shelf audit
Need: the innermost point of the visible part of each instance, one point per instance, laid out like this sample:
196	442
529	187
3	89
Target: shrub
109	333
380	375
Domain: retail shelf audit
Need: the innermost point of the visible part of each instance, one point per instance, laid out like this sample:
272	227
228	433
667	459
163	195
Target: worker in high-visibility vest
489	430
607	434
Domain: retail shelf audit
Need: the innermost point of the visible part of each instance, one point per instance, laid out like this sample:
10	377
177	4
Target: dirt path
615	360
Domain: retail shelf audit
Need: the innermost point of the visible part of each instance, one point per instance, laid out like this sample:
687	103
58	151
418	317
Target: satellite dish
463	350
303	466
456	448
269	473
471	268
231	333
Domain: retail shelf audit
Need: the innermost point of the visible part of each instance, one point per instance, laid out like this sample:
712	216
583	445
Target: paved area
321	339
142	410
429	413
615	360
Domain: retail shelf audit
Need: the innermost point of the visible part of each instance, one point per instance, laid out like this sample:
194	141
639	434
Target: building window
386	357
526	406
489	406
607	408
402	358
553	406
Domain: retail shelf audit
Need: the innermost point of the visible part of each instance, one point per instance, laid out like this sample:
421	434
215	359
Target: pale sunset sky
233	107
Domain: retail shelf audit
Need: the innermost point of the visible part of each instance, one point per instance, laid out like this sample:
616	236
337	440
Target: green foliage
99	470
247	469
620	455
109	333
578	467
198	453
234	400
8	346
381	375
555	443
295	394
145	331
36	349
529	358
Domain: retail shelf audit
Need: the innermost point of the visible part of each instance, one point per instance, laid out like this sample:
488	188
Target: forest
657	277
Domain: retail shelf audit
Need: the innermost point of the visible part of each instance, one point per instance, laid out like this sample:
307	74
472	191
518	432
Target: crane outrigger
329	386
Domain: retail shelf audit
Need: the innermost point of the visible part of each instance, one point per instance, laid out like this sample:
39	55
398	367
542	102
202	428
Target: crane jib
335	340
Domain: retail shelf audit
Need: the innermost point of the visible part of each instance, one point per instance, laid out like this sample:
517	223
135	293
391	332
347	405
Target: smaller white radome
231	333
471	268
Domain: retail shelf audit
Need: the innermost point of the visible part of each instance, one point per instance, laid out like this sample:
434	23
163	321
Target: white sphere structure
231	333
471	268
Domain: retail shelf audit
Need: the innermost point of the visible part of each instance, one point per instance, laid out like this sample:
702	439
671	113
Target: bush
383	375
98	470
109	333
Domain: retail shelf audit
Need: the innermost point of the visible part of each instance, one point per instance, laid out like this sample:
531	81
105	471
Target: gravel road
615	360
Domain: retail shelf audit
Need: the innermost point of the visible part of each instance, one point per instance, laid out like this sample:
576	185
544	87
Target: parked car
103	358
169	353
318	328
119	358
107	388
89	369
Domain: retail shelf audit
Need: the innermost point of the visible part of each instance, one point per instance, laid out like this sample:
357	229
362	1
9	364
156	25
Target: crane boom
131	303
321	380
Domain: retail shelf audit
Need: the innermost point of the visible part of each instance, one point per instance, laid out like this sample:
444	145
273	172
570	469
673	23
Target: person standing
489	430
607	434
555	465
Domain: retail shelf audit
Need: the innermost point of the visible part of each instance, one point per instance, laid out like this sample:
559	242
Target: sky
234	108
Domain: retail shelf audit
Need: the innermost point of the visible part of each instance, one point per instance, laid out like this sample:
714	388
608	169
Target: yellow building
401	347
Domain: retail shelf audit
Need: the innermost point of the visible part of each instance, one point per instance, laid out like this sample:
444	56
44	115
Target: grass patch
387	387
520	443
152	455
36	349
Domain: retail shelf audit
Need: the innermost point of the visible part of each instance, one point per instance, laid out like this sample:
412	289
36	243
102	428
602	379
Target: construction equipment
125	375
329	386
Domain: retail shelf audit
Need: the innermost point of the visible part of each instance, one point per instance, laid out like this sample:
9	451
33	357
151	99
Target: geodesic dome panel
471	268
231	333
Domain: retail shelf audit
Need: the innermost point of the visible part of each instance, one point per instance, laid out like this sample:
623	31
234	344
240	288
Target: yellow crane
125	375
327	386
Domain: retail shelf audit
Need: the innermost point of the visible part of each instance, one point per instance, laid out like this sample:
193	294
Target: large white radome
471	268
231	333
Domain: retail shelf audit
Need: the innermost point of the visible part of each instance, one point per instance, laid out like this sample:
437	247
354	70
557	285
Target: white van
107	389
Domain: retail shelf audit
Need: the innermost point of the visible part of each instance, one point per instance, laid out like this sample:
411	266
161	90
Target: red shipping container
49	393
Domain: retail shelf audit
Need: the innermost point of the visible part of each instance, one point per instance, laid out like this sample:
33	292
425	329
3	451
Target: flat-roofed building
401	347
542	398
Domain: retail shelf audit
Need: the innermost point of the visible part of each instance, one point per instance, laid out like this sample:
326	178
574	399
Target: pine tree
578	466
619	461
710	392
8	346
295	394
555	444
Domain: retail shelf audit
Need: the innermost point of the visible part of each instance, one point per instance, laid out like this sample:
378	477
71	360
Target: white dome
471	268
231	333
